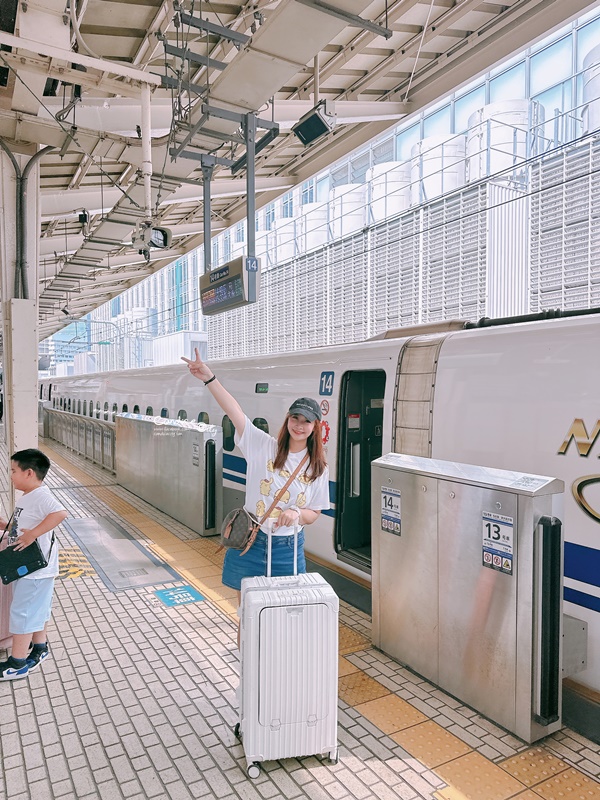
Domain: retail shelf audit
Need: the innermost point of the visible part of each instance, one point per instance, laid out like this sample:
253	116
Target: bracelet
210	380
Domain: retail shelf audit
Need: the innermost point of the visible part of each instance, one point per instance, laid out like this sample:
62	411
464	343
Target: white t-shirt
263	481
30	510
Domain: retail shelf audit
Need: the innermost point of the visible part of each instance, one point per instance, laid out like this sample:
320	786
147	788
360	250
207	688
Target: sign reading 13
326	383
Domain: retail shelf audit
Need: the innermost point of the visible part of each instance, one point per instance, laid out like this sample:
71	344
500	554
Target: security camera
66	311
319	121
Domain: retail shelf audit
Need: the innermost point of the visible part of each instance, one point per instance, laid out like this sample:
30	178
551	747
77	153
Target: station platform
138	698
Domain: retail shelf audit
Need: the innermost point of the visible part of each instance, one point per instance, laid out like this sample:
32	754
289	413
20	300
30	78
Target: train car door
360	441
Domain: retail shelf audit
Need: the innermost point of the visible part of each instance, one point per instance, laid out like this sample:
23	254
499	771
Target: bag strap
6	527
281	492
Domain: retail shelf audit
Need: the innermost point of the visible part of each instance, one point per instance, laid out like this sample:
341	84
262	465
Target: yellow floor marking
533	766
73	564
359	688
571	784
469	777
431	744
350	641
391	714
345	667
479	779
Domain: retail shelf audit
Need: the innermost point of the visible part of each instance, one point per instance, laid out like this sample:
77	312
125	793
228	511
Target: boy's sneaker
36	656
11	669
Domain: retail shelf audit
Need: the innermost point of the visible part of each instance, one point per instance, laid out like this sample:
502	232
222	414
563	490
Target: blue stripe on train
237	464
582	599
234	463
582	564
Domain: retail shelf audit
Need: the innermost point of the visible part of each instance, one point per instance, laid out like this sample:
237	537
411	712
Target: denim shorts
254	562
31	605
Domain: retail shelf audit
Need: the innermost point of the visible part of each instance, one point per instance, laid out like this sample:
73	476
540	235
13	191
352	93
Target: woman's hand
288	518
197	367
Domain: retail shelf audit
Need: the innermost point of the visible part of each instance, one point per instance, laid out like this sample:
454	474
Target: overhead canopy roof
416	51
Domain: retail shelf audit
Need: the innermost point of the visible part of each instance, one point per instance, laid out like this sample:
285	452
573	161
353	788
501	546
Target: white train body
523	397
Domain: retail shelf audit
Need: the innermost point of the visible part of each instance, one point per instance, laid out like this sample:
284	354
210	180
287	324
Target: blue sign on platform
178	596
251	264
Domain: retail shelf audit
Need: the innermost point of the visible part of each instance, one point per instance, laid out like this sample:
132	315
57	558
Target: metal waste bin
467	585
175	465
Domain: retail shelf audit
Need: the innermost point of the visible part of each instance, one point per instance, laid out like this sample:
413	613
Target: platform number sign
391	514
498	536
326	383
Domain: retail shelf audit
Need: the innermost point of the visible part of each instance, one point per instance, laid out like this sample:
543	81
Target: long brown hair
314	445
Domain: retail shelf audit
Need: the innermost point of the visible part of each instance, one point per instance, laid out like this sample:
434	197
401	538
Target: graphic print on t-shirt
13	533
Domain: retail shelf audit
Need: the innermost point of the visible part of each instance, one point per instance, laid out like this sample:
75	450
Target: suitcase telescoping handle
270	545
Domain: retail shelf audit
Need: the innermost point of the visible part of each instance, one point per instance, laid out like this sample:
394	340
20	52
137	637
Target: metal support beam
260	145
147	150
194	58
250	134
207	171
350	19
218	30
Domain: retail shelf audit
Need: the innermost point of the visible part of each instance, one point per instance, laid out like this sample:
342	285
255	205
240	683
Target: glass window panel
465	106
510	85
323	189
438	123
558	126
405	140
359	167
551	65
383	151
308	191
339	176
587	38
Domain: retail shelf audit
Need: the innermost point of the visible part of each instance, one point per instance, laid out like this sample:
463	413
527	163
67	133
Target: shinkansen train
523	396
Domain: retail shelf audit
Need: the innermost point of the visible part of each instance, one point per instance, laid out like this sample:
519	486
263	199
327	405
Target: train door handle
354	461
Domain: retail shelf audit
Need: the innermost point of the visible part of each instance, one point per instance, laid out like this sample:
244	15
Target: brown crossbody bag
240	527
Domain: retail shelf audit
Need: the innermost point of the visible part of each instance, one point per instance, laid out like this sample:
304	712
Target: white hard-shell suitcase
289	667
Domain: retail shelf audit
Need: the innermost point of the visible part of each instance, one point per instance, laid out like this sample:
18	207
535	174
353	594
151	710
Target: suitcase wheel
254	770
333	756
236	731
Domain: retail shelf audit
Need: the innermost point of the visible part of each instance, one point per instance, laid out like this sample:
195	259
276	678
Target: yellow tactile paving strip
531	775
534	766
73	564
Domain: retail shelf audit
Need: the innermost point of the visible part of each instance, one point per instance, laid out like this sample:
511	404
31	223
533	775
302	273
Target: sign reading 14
326	383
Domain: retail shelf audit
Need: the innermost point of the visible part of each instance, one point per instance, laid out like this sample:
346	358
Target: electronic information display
233	285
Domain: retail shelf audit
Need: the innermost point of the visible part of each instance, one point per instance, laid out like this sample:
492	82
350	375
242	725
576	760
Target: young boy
36	515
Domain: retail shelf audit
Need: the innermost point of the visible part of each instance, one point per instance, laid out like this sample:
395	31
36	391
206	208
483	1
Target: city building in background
483	205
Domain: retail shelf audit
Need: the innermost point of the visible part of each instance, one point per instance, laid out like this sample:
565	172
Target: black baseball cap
306	406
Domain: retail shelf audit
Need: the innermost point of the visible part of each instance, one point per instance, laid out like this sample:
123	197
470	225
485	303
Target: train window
115	409
182	414
149	411
164	412
91	408
54	402
261	424
106	410
136	409
49	391
69	408
125	408
41	391
97	409
228	434
85	408
79	406
203	417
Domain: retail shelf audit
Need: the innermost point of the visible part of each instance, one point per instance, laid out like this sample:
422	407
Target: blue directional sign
251	264
178	596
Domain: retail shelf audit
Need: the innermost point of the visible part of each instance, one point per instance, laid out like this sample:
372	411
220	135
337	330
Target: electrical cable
412	74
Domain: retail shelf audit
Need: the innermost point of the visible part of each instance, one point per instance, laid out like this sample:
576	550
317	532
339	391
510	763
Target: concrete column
19	315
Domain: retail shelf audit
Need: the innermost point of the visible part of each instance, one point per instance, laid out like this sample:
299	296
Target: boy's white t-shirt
30	510
263	481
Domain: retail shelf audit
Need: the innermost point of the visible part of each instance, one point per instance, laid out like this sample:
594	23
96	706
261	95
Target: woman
270	463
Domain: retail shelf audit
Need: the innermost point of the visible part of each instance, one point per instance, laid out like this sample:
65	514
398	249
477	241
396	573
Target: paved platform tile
351	642
478	779
431	744
391	714
359	688
533	766
570	784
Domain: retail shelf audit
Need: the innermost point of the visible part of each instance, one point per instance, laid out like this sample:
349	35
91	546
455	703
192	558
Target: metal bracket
195	58
260	145
350	19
